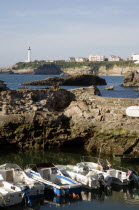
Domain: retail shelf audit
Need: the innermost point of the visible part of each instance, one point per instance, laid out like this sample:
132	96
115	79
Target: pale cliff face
54	70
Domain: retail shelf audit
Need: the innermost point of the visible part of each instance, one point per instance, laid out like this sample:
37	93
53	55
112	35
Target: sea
15	81
124	198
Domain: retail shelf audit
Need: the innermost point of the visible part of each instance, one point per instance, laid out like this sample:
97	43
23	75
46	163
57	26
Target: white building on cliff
96	58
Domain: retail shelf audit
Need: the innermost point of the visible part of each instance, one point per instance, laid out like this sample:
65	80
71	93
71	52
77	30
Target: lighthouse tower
29	55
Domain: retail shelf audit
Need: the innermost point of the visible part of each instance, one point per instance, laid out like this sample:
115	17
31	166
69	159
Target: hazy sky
58	29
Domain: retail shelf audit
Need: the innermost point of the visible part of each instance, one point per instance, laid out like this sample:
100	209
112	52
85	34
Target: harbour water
14	81
126	198
118	198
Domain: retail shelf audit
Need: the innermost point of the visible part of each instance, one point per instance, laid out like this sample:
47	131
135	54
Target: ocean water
14	81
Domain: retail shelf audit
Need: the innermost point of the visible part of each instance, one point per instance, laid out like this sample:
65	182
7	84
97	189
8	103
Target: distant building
54	61
135	57
81	59
96	58
50	61
72	59
129	59
114	58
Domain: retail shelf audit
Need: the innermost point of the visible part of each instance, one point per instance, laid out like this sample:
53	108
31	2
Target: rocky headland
57	118
75	80
131	79
105	68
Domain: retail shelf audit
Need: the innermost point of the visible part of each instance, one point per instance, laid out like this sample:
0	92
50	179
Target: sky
59	29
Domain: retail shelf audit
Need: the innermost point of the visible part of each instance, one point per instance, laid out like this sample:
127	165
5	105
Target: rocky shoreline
52	117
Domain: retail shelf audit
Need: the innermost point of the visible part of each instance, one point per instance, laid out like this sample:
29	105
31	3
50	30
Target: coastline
105	68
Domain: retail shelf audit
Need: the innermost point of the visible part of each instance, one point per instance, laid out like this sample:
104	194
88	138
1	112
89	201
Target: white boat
15	175
119	177
54	180
132	111
9	194
89	178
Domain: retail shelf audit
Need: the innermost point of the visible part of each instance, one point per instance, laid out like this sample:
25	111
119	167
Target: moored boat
89	178
13	174
9	194
53	179
120	176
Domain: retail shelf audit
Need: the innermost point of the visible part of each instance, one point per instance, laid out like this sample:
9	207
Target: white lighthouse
29	55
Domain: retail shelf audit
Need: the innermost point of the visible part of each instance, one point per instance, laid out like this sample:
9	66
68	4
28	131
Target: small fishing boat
9	194
13	174
121	176
53	179
89	178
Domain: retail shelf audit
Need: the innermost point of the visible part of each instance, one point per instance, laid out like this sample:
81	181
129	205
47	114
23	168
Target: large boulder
109	88
85	93
131	79
3	86
78	80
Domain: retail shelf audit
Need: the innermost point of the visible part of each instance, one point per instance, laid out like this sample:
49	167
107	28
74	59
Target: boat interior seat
45	173
10	175
18	176
1	184
49	175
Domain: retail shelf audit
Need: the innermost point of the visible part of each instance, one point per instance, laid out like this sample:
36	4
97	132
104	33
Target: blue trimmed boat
54	180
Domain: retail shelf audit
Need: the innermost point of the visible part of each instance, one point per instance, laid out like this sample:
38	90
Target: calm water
15	81
126	198
118	199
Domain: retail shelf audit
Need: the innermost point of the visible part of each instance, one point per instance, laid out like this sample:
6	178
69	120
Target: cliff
72	68
57	118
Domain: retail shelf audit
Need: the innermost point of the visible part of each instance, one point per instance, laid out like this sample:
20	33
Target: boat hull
66	191
11	199
58	190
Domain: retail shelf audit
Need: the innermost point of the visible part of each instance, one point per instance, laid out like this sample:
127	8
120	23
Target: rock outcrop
131	79
77	80
6	71
109	88
3	86
56	118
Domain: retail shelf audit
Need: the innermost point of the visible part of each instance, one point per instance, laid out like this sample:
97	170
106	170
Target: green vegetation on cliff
33	65
61	64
